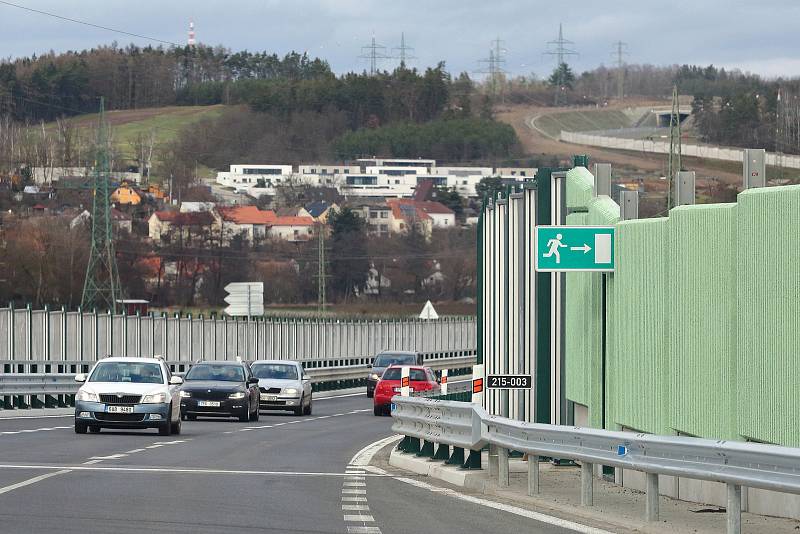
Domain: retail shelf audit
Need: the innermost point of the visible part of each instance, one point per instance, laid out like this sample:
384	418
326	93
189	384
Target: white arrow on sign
238	298
241	310
585	248
234	287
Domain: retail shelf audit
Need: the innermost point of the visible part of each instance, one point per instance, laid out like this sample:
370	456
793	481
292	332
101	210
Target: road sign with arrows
574	248
245	299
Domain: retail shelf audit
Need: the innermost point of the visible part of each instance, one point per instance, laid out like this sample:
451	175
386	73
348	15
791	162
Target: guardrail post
651	510
494	465
533	474
734	509
473	460
587	493
457	458
502	467
427	449
443	452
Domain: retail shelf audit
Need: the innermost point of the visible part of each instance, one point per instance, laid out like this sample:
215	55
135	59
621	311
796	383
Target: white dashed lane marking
30	430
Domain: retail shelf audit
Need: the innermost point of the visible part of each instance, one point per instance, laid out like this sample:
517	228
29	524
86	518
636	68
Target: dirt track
535	142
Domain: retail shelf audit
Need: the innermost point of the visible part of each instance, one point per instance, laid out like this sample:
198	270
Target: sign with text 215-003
574	248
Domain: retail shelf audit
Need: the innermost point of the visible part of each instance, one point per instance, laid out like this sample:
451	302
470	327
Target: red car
420	379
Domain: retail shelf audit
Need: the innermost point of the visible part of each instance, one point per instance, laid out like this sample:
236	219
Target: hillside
165	122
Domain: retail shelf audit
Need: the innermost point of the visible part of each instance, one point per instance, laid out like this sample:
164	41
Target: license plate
269	397
210	404
120	409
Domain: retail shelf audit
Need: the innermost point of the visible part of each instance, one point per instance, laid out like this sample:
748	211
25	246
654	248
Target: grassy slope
165	122
582	121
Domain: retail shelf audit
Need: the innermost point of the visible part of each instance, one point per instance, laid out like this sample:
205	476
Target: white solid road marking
30	430
365	455
134	451
110	457
37	416
363	530
30	481
92	462
183	470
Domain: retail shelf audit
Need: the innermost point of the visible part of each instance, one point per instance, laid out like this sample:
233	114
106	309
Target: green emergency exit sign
574	248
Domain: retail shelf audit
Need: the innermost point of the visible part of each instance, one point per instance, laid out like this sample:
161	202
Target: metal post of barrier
427	449
443	452
533	474
457	458
651	511
502	471
494	464
734	509
587	494
473	460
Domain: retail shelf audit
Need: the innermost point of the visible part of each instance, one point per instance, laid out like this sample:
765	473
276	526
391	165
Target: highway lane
283	473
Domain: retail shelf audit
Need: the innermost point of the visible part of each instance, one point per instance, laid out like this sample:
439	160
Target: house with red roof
247	221
167	225
421	215
292	229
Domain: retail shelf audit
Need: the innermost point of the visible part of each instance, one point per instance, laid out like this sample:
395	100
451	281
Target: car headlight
84	395
237	395
155	398
185	394
374	376
290	391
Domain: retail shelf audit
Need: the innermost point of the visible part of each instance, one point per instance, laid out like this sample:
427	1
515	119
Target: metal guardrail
63	383
468	426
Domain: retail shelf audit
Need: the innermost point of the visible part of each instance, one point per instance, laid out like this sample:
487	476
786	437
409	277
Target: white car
128	393
282	385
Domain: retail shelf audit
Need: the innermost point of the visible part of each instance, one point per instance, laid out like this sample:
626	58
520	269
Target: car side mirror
306	377
175	380
252	380
80	377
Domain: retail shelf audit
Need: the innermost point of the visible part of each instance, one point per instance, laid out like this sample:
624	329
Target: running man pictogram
553	245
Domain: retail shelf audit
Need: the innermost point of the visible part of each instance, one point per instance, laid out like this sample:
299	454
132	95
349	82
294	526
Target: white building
293	229
246	176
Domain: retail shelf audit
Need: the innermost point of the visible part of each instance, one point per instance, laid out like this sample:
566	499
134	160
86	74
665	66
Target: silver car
282	385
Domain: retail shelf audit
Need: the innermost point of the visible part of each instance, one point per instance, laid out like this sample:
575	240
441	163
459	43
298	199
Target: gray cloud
758	38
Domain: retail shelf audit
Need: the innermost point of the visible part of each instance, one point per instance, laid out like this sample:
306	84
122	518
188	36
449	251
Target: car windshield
385	360
210	371
415	375
136	373
277	371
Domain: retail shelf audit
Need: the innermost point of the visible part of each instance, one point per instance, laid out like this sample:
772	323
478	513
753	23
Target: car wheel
94	429
300	409
255	415
308	408
164	428
176	427
377	411
80	428
245	417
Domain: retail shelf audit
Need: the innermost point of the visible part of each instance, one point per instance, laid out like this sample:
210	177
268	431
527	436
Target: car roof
417	367
403	352
218	362
130	359
287	362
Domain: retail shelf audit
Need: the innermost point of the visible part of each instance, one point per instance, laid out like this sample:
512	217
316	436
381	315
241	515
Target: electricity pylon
101	289
674	162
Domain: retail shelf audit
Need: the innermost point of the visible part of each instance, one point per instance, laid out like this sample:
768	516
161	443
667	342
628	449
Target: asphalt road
282	474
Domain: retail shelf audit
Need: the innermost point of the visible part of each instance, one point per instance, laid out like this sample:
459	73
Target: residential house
248	221
125	195
377	216
191	207
167	225
121	221
292	212
293	229
321	210
423	216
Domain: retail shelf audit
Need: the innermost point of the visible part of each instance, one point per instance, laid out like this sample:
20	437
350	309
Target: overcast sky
760	37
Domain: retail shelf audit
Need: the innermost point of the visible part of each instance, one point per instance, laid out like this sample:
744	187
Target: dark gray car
384	360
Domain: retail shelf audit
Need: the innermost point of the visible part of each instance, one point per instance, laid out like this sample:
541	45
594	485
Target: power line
620	51
560	52
374	52
494	64
404	52
85	23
